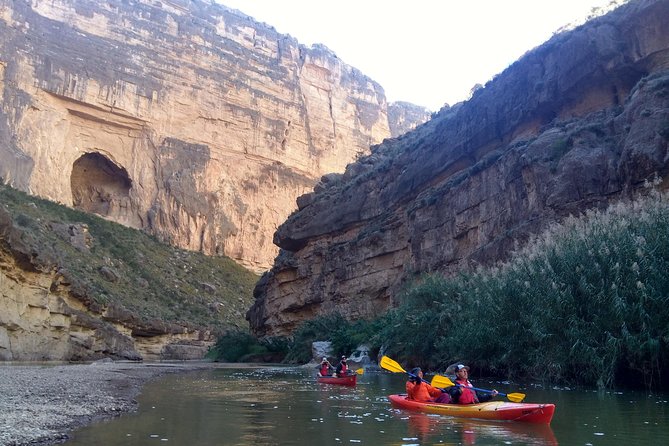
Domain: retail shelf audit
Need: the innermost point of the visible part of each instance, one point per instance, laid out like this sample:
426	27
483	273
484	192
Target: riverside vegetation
586	302
155	281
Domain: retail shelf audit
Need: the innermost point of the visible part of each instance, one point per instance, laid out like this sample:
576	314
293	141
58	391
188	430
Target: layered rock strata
183	118
48	312
404	117
578	122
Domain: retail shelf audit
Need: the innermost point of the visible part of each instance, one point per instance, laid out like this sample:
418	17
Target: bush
232	346
319	329
413	330
241	346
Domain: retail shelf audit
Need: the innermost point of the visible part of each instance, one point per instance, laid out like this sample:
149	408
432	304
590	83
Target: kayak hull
492	410
349	380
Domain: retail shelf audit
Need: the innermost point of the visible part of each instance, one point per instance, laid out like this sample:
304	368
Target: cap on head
461	367
325	359
343	358
415	371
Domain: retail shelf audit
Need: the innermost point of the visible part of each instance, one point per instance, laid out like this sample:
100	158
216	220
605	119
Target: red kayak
492	410
348	380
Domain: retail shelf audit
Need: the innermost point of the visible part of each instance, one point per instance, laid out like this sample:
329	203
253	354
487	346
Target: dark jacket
342	369
456	391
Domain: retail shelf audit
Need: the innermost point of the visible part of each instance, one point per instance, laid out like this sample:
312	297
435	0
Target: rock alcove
99	185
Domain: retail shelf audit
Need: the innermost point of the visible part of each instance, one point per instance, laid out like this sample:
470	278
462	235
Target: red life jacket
325	369
468	396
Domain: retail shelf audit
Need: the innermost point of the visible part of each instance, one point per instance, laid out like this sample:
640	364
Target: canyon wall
40	323
579	122
183	118
50	311
404	117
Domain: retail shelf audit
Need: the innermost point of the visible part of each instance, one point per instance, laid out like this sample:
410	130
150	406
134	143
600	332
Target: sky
427	52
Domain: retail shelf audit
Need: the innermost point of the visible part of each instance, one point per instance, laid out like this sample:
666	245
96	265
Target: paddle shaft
459	385
480	390
443	381
446	382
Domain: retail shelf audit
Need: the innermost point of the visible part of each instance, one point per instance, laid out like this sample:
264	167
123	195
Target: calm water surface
285	406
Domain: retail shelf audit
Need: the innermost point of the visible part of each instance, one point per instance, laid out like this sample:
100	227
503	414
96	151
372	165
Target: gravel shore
41	404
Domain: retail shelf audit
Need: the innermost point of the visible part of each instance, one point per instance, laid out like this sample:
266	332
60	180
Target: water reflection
430	428
285	406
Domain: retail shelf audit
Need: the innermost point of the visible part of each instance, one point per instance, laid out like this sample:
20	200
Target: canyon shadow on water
285	406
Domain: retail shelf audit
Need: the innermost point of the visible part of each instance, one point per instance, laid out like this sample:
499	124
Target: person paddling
461	394
419	390
342	367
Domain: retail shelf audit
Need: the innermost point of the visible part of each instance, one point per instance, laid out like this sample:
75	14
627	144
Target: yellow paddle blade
441	382
515	397
360	371
391	365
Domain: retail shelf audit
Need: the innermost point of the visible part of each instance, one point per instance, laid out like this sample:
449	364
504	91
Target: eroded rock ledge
50	312
579	122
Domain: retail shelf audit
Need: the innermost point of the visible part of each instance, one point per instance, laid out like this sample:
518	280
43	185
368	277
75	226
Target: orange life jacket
422	392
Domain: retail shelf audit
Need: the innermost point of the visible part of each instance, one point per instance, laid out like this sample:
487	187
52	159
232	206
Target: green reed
586	302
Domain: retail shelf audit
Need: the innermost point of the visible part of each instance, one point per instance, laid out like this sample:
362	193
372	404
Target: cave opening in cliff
99	185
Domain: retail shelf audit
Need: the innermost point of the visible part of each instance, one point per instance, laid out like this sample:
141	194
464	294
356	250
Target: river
285	406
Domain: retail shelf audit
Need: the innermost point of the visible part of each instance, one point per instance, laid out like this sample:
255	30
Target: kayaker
461	394
342	367
325	368
419	390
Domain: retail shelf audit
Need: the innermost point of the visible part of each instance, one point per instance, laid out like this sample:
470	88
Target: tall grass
585	302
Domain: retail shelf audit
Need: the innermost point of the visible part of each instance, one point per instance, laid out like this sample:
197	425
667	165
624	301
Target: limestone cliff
180	117
75	287
404	117
578	122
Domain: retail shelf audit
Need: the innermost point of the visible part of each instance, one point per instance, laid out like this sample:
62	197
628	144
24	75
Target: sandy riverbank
41	404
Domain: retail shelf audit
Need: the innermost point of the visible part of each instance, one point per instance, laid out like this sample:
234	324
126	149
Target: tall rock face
404	117
578	122
47	311
181	117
